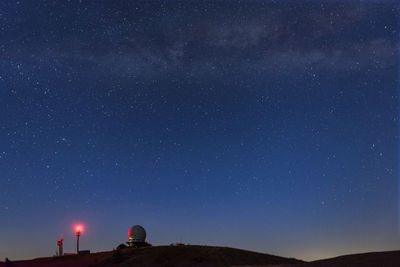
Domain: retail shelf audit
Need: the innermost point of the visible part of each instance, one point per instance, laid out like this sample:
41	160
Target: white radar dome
137	234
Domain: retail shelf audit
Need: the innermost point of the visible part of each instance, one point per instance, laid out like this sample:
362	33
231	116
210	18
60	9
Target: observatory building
137	236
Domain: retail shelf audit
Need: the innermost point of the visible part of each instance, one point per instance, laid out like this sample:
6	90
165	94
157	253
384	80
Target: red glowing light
78	229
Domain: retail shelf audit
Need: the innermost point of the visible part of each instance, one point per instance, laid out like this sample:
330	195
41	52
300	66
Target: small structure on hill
137	237
60	246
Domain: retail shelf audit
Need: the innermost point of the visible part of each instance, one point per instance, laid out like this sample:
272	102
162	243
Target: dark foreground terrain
167	256
372	259
205	256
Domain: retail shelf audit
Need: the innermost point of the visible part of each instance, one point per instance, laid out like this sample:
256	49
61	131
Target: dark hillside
170	256
372	259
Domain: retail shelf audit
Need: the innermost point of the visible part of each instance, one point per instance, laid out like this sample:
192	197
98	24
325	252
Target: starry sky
264	125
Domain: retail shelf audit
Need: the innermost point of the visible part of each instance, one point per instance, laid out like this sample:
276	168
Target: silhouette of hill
167	256
205	256
371	259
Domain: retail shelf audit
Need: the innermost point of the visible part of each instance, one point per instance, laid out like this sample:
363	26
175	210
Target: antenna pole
77	242
60	247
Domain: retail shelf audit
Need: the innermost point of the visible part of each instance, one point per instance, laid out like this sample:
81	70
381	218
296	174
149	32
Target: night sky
264	125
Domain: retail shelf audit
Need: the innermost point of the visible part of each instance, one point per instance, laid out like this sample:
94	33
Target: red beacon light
78	229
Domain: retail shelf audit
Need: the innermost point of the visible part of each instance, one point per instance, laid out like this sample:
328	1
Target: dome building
137	236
